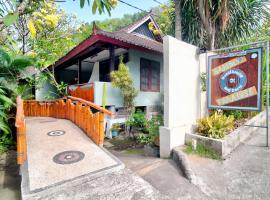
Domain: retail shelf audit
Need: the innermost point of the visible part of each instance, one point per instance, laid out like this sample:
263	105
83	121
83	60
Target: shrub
237	114
215	126
137	119
152	128
122	79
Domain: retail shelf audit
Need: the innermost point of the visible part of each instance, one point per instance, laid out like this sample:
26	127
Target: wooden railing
21	132
83	91
87	115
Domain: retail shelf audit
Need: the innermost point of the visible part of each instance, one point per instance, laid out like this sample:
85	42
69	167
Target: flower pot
115	133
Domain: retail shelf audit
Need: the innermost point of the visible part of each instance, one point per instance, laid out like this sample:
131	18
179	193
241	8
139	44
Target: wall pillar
181	93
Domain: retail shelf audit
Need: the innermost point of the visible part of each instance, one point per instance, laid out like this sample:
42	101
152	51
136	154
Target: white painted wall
203	69
95	73
181	92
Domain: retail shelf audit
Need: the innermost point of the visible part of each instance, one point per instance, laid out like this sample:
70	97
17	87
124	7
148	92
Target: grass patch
135	151
202	151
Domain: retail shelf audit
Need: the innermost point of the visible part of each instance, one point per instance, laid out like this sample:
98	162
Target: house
87	67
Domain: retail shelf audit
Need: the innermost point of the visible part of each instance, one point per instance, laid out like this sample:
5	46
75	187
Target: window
150	75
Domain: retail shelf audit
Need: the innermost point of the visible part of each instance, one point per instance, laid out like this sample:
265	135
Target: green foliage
234	21
215	126
100	5
151	129
137	119
202	151
12	71
153	125
237	114
5	131
145	139
122	79
203	81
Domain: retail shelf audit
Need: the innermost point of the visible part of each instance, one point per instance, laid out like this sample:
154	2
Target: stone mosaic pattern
68	157
56	133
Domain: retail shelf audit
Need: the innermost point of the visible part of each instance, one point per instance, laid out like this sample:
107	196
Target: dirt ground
9	177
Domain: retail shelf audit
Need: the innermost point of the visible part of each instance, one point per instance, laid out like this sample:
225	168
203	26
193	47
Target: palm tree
216	23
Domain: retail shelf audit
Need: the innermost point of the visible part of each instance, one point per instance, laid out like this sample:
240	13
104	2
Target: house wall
114	97
145	98
95	73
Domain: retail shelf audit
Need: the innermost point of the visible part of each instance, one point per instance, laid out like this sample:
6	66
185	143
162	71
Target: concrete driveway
162	174
245	174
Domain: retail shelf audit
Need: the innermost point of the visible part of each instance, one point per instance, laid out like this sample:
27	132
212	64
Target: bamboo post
101	129
21	132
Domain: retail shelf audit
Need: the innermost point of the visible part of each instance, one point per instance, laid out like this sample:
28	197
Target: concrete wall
114	96
95	74
145	98
203	69
181	92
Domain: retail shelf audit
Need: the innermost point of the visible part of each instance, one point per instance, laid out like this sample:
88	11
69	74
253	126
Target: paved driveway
244	175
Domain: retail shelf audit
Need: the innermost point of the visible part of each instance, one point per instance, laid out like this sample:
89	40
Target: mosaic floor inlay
68	157
56	133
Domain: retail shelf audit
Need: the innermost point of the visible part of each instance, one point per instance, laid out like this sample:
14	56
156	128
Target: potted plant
115	129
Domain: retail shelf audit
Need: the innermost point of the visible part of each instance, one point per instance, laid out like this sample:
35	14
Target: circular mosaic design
56	133
68	157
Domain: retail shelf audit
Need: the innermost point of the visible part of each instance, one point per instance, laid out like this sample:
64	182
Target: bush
152	128
237	114
122	79
215	126
137	119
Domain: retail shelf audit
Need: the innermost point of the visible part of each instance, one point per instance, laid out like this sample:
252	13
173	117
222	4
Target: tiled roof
124	35
134	39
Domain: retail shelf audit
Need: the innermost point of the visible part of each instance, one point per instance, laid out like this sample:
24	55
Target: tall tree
178	21
217	23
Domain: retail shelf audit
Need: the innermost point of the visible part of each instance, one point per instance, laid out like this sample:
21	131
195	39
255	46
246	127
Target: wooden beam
112	58
79	71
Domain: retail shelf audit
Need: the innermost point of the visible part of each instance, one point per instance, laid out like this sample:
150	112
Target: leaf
21	62
82	3
5	59
10	18
94	7
32	28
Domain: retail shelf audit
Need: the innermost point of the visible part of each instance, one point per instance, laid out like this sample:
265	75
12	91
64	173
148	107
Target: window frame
150	69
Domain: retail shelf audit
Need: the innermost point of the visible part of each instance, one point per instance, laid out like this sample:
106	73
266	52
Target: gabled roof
126	37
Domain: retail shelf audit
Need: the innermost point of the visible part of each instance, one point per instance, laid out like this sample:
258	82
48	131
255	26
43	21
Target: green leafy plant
122	79
152	129
237	114
203	77
145	139
137	119
215	126
202	151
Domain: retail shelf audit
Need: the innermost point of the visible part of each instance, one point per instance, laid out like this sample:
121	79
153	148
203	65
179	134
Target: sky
85	14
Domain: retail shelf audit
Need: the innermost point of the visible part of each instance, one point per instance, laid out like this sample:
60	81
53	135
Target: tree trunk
212	36
178	26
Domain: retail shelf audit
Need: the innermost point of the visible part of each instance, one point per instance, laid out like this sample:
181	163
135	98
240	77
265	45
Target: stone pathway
162	174
9	177
244	175
63	163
